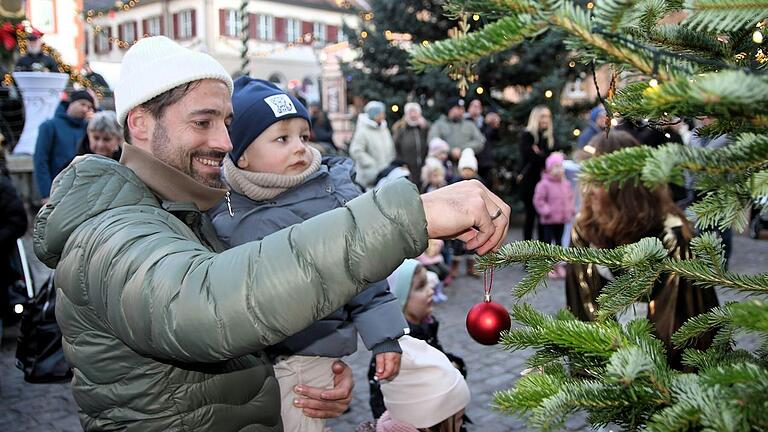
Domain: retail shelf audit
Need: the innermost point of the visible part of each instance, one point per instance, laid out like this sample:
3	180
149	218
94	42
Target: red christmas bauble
486	321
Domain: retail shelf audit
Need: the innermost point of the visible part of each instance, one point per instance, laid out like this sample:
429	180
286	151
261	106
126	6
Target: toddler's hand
387	365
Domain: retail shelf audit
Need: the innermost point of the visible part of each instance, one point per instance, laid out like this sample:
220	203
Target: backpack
38	351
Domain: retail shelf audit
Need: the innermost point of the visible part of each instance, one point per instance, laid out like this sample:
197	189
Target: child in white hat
429	394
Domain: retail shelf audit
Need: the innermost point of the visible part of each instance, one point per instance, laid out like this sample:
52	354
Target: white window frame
293	30
319	32
185	24
266	27
154	27
100	42
126	29
233	24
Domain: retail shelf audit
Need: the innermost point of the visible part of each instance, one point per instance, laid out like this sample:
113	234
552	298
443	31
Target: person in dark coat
13	226
322	130
537	141
618	216
598	121
35	60
58	139
485	163
410	136
95	78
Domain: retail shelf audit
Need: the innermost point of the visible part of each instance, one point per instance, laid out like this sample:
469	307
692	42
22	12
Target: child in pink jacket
553	199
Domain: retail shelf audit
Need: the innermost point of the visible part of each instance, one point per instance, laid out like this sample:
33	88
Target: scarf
260	186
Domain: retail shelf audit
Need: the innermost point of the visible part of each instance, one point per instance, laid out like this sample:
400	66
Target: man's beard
182	160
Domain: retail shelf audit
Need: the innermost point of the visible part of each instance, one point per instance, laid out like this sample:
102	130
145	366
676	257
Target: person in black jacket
14	225
536	143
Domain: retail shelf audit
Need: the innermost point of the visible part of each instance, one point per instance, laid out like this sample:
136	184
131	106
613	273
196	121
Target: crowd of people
213	266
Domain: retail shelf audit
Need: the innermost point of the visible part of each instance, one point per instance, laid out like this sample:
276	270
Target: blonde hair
533	125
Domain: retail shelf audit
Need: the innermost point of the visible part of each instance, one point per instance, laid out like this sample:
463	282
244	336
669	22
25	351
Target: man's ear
139	122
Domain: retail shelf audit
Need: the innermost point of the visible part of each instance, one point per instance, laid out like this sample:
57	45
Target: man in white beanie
163	328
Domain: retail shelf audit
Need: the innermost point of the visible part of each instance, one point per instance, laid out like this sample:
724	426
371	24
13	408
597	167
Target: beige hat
428	389
468	159
157	64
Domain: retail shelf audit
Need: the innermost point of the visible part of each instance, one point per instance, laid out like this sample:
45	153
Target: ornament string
488	284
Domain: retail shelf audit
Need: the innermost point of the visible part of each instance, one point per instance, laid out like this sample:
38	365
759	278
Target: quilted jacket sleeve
166	296
378	318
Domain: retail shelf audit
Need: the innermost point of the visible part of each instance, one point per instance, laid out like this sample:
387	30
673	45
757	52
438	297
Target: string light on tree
576	132
572	64
590	5
757	37
653	82
548	94
395	108
479	90
363	34
476	17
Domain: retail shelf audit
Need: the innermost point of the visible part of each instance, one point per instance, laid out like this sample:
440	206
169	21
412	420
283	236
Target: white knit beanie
468	159
157	64
428	389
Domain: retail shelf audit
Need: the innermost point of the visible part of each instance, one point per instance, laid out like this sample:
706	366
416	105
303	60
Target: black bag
38	351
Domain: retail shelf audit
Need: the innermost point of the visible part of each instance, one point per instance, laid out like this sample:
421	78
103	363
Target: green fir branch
700	324
622	292
615	14
751	315
722	15
529	392
493	8
491	39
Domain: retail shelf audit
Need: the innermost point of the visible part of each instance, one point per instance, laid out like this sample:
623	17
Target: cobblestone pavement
38	407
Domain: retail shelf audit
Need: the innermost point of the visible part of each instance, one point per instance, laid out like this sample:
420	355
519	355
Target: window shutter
162	24
331	34
194	23
307	27
120	32
175	26
223	22
253	26
109	36
135	31
145	27
280	34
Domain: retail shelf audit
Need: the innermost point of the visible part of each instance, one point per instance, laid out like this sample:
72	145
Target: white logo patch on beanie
281	105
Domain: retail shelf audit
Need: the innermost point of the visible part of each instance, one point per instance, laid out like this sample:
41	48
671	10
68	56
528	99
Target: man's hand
387	365
464	210
324	403
455	153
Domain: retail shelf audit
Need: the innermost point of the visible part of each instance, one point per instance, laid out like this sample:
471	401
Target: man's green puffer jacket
158	326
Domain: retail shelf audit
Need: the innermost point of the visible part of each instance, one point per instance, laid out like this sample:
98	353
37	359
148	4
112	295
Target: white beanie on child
428	389
157	64
468	159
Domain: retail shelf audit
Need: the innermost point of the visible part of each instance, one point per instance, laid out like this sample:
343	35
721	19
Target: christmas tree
681	59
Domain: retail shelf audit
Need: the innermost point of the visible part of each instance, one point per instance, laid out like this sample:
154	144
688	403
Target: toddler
410	284
433	260
278	180
553	199
429	394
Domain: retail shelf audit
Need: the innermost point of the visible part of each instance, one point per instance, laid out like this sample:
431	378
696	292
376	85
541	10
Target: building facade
285	38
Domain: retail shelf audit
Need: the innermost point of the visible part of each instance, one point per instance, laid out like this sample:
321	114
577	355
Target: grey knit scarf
263	186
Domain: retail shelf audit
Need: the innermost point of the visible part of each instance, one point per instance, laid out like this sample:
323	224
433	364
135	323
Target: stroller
38	350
